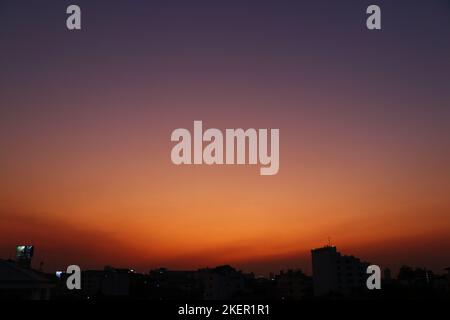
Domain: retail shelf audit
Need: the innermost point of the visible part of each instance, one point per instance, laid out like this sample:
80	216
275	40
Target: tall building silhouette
334	273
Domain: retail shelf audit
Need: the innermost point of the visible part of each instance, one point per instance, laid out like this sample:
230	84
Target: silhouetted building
225	282
264	289
334	273
442	283
172	285
22	283
417	277
110	282
293	285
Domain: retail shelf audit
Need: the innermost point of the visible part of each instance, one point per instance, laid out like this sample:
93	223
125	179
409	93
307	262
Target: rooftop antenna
329	241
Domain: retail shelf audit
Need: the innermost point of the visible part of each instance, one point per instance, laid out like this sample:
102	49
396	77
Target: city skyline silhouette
86	118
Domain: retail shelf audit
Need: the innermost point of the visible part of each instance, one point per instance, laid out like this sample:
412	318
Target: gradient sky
86	118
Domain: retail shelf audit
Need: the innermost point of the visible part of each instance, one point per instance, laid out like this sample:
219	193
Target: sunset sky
86	118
